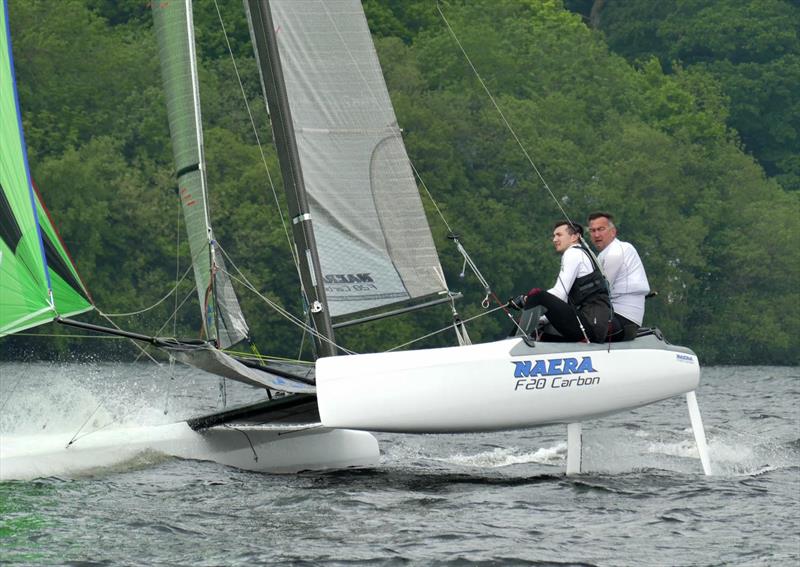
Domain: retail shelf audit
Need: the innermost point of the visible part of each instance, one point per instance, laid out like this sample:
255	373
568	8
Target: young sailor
626	277
577	305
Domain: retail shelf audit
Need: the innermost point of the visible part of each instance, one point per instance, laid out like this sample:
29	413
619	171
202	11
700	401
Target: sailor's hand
517	302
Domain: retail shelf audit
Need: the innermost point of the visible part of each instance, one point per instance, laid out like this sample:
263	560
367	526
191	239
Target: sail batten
373	239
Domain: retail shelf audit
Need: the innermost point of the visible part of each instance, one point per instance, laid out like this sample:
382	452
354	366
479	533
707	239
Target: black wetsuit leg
560	314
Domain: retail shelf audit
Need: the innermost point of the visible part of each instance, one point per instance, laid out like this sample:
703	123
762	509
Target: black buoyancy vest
589	287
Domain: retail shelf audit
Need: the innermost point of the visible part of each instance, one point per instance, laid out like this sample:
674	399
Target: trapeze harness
589	297
587	311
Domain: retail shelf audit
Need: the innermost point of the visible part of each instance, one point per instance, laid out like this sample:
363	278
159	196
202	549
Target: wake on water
76	419
127	412
607	451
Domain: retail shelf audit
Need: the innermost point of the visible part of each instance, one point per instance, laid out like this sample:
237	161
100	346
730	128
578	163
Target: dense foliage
662	141
750	47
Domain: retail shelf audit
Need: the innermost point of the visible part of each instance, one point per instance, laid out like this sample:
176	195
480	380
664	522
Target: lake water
477	499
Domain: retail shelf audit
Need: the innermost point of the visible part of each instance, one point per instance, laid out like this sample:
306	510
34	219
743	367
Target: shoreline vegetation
672	121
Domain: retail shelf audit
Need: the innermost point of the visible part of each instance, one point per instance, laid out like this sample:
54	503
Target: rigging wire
287	315
396	133
14	389
68	336
171	317
500	112
292	250
177	266
447	328
277	307
156	304
141	349
516	138
91	415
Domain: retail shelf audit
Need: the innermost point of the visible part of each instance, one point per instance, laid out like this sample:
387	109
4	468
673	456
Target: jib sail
222	317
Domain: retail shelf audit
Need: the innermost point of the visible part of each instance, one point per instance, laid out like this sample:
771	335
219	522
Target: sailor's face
562	239
602	232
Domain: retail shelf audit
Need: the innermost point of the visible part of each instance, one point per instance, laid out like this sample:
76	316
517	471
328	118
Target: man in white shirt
577	305
625	274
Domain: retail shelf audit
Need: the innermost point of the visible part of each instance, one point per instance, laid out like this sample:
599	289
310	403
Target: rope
177	267
292	250
266	358
276	307
302	340
161	328
142	351
500	112
156	304
447	328
91	415
11	393
246	436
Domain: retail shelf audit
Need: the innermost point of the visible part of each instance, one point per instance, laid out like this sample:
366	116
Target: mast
302	230
220	312
212	325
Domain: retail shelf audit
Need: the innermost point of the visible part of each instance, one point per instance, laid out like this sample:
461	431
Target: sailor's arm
570	264
612	263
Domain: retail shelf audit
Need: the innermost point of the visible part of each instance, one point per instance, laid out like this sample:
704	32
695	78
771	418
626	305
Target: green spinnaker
38	281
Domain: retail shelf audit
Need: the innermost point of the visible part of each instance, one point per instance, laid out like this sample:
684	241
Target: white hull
255	448
485	387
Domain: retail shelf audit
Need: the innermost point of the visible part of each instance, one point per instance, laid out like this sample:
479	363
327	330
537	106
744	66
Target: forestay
373	239
39	281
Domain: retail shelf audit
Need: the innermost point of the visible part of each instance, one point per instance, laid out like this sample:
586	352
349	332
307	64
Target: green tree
751	47
657	139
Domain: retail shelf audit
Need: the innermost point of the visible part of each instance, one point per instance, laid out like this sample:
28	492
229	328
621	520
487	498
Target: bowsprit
552	367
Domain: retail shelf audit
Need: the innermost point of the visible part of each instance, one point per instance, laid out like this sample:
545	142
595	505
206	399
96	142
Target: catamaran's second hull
271	449
506	384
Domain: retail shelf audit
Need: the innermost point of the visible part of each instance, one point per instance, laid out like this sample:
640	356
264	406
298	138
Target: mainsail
220	311
374	243
38	279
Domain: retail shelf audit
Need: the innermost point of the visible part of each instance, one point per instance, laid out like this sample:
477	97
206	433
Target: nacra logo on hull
552	367
539	374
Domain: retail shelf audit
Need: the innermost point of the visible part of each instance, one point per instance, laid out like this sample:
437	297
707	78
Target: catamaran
363	250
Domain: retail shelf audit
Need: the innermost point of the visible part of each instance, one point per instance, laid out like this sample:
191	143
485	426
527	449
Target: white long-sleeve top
625	273
575	263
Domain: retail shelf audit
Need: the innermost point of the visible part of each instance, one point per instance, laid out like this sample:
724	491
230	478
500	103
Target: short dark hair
600	215
572	227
